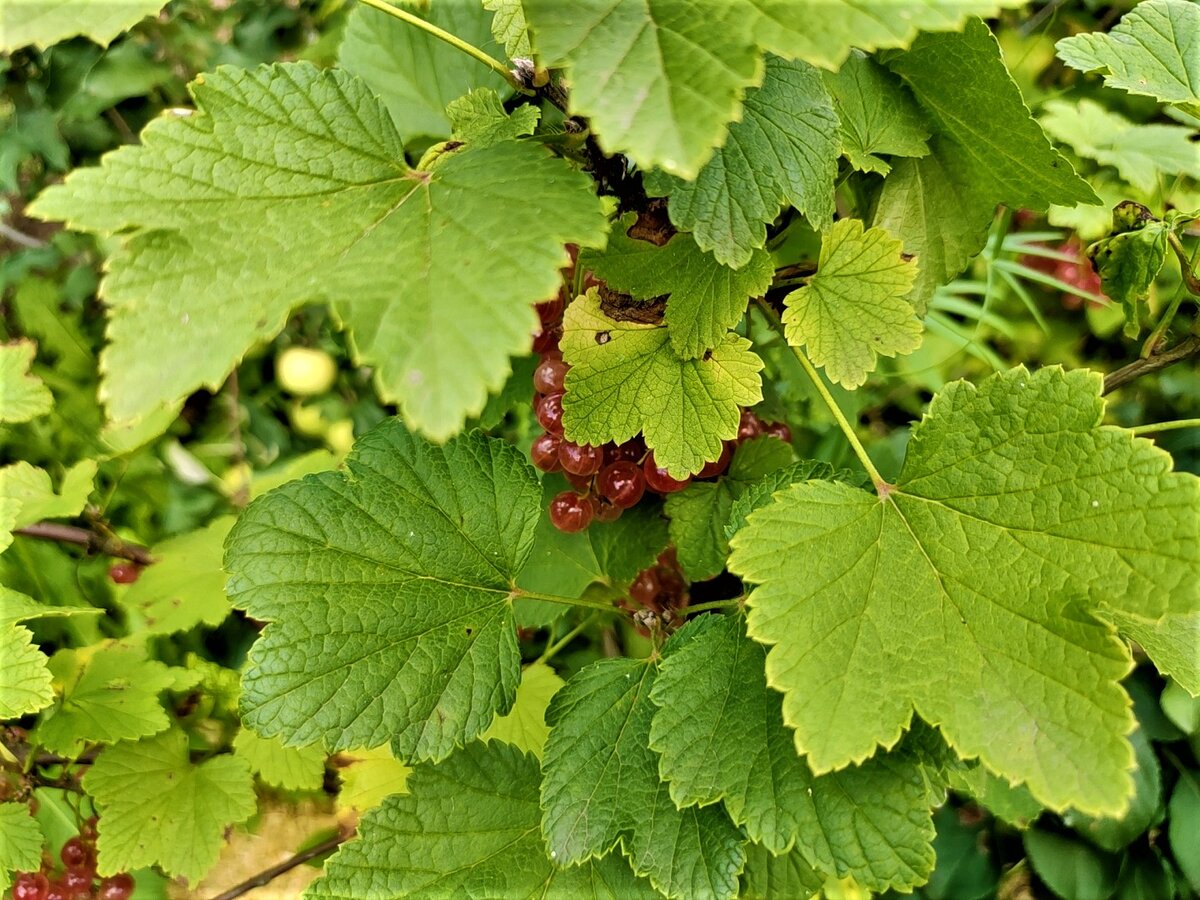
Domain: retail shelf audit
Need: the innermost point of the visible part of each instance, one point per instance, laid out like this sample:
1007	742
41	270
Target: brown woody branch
266	876
1185	349
92	541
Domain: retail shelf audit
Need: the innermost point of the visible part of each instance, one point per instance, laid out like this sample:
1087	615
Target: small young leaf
388	588
31	490
1169	641
108	696
601	784
854	310
369	776
1127	263
479	119
469	828
965	592
509	28
705	299
784	150
22	396
156	808
626	378
1154	51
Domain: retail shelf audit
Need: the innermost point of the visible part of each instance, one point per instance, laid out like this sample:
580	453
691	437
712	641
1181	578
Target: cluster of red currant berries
610	479
78	880
657	593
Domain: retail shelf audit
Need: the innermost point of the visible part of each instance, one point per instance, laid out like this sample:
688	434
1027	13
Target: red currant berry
644	588
550	311
580	459
544	452
581	483
718	465
659	480
546	339
749	426
74	853
607	512
550	354
56	891
571	512
622	483
125	573
779	430
548	377
30	886
632	450
550	413
116	887
78	882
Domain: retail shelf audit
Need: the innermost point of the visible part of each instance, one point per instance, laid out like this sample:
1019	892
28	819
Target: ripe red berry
56	891
550	413
78	882
74	853
544	452
549	376
622	483
550	311
749	426
580	459
579	482
125	573
659	480
644	589
116	887
718	465
632	450
779	430
30	886
571	512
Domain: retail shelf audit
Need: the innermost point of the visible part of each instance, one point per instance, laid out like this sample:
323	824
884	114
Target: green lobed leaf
509	27
524	726
853	310
601	785
966	592
290	768
719	730
704	298
1172	642
1153	51
783	151
699	512
387	244
626	378
1127	263
414	73
1143	153
1012	803
877	115
759	493
986	149
156	808
20	841
469	828
479	119
823	32
658	79
108	695
388	588
44	22
22	396
185	586
33	494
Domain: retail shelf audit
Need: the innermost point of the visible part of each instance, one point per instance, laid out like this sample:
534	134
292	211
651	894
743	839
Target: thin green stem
1160	330
1190	279
881	486
456	42
552	649
566	601
714	604
1154	427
